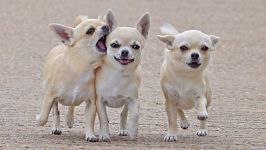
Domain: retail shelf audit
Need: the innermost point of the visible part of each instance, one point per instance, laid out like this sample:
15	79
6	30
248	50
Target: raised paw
91	138
56	131
170	137
123	132
104	138
202	132
202	115
184	124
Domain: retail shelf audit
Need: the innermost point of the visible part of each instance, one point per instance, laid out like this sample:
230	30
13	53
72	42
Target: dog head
189	50
89	34
125	44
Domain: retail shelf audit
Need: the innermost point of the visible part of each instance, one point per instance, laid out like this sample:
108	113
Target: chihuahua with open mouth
183	76
118	79
69	71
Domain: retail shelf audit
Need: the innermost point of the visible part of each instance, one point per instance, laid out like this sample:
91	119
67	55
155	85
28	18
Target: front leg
171	111
202	116
133	120
102	114
201	107
123	121
90	113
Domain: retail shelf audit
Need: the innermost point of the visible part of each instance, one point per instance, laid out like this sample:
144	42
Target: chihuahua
183	76
118	79
69	72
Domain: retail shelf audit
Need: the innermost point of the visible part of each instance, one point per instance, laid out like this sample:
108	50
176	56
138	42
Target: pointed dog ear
168	40
64	33
110	20
143	25
214	39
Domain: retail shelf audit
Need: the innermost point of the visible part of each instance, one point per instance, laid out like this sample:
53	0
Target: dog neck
81	60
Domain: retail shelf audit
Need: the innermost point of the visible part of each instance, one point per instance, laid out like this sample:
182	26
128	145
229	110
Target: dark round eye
183	48
115	45
135	46
204	48
90	30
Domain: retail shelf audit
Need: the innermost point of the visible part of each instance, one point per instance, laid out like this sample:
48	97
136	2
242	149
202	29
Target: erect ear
167	39
79	19
168	29
64	33
143	24
110	20
214	39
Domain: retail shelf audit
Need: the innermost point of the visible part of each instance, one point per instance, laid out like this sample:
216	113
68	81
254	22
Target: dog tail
169	29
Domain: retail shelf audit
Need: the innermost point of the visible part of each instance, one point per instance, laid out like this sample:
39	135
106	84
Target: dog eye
183	48
204	48
115	45
90	30
135	46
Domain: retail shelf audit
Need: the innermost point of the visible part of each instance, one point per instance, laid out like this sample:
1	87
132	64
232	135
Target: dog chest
75	91
185	96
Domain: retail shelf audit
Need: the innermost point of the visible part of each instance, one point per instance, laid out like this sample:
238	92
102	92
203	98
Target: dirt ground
237	73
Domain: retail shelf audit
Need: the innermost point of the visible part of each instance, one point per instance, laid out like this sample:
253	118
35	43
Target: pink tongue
124	60
101	45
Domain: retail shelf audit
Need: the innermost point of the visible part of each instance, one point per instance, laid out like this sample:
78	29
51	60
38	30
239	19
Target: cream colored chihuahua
69	72
183	76
118	80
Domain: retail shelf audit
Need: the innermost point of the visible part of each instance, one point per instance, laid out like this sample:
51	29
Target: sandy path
237	72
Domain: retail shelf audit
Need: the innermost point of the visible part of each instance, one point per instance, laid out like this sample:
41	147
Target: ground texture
237	73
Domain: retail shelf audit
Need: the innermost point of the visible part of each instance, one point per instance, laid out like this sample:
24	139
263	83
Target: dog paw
104	138
184	124
40	121
56	131
91	138
202	115
170	137
123	132
202	132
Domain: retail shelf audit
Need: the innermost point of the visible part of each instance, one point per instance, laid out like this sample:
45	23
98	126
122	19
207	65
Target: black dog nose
195	56
105	29
124	53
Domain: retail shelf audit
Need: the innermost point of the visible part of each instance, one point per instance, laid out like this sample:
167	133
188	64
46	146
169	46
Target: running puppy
69	72
118	80
183	79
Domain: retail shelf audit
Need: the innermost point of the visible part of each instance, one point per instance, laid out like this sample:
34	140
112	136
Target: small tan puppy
183	76
69	72
118	80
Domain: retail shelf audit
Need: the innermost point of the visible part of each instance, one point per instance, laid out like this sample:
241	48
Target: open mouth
124	61
194	64
101	44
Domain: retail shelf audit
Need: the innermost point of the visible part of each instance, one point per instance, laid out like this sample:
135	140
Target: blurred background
237	73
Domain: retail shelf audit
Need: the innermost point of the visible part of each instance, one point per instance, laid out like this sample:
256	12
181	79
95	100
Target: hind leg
70	116
123	121
42	118
56	116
